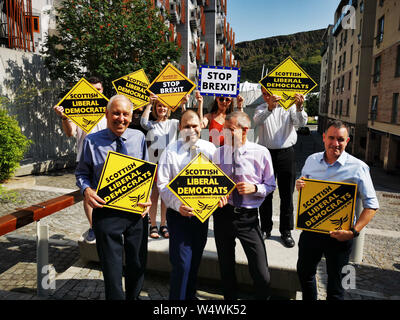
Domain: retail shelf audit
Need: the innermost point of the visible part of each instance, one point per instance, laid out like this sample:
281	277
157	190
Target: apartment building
351	69
325	79
383	135
202	31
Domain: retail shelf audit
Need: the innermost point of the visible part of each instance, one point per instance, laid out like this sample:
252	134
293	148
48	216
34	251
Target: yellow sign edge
284	61
331	182
183	200
102	176
137	106
173	109
72	90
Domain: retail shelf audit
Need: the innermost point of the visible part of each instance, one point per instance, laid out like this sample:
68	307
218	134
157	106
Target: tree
108	39
312	104
13	144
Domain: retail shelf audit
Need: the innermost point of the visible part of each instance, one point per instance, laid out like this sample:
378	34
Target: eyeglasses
222	99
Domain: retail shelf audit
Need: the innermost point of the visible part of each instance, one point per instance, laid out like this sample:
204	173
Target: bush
13	145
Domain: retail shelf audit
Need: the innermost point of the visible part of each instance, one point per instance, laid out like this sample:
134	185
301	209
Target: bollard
358	243
42	258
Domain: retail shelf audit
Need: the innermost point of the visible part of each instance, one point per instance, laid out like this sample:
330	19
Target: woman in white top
161	132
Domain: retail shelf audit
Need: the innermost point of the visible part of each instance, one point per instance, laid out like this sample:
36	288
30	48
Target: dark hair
214	106
94	80
336	124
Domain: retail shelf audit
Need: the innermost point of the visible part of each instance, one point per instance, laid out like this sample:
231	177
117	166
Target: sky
257	19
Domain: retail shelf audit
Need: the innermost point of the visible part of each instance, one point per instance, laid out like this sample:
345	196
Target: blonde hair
154	111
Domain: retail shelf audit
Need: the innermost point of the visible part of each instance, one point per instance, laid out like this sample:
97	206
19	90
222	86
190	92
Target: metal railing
35	213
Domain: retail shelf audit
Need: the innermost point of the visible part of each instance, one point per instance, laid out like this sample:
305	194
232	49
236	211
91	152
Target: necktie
237	198
121	148
193	152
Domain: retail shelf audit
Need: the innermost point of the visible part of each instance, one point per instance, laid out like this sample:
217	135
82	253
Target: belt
280	150
238	210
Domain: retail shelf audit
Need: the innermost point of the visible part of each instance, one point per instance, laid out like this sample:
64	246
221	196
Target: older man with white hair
110	225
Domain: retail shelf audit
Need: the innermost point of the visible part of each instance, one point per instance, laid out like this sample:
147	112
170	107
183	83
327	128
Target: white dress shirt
276	128
174	158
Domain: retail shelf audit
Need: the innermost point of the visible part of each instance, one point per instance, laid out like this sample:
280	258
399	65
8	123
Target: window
351	54
341	107
395	107
32	24
348	107
374	107
344	60
349	86
397	72
361	6
343	83
381	25
377	70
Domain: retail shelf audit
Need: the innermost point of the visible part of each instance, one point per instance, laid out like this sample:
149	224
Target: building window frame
395	108
397	67
380	30
374	107
377	69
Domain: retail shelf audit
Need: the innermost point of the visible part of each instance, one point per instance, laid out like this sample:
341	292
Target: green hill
303	47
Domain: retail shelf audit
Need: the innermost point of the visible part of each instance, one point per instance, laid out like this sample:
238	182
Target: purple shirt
253	165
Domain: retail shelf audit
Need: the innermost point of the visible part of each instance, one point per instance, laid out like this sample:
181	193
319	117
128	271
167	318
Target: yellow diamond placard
84	105
134	86
171	86
325	206
200	185
287	79
126	181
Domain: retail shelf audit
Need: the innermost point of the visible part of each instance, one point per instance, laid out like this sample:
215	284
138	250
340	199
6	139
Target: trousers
118	231
187	239
312	246
283	161
244	225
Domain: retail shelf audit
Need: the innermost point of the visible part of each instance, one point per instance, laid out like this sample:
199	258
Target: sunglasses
222	99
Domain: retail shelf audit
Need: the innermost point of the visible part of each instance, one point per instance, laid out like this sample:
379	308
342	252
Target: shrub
13	145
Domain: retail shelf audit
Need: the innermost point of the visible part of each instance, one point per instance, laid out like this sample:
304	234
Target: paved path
377	277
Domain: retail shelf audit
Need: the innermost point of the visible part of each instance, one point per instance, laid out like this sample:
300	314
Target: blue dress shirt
94	154
345	169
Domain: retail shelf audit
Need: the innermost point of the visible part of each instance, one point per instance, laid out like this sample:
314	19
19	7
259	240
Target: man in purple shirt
249	165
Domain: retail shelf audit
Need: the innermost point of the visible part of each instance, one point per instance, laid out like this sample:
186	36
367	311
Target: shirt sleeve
298	118
146	123
366	189
268	184
261	114
84	170
163	178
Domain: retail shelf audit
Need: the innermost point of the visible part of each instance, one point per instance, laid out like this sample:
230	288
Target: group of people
246	214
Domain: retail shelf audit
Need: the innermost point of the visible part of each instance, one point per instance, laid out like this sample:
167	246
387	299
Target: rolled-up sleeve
84	169
366	189
164	176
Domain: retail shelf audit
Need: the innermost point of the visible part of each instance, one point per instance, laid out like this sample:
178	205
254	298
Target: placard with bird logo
125	182
287	79
200	185
84	105
325	206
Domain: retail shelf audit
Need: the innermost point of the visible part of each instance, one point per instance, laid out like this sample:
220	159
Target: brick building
365	78
383	137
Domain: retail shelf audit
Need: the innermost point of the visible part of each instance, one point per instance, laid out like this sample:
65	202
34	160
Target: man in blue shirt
334	164
110	225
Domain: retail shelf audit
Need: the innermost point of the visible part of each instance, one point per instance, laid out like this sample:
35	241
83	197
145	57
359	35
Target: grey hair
119	97
243	119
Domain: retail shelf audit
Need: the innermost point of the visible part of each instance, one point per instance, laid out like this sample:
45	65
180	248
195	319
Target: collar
241	150
341	160
184	146
113	136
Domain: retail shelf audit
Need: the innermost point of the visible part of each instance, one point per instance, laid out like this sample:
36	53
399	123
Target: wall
24	80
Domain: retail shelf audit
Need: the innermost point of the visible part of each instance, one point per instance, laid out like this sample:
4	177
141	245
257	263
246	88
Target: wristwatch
355	232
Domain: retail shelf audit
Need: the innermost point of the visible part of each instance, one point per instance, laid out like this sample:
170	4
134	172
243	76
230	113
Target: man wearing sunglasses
278	134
